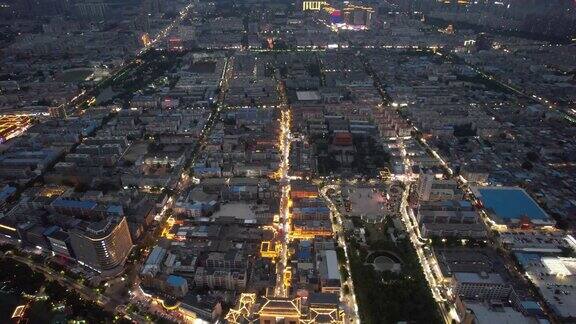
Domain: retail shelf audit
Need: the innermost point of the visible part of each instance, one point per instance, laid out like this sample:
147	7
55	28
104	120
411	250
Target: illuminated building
146	39
360	16
302	189
276	309
336	17
270	249
244	309
303	229
287	280
351	17
52	191
12	126
323	308
317	308
103	245
188	313
384	173
313	5
19	311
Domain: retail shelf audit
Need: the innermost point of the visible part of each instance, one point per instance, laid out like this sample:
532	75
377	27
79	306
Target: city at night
288	161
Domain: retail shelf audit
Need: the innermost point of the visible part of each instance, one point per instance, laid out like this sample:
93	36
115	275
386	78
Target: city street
283	176
308	162
348	299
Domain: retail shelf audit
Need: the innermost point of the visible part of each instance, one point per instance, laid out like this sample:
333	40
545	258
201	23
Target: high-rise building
312	5
102	246
358	15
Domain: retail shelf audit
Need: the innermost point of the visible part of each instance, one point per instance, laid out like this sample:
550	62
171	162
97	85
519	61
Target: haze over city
290	162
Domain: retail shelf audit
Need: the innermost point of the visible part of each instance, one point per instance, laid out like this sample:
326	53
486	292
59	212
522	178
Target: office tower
102	245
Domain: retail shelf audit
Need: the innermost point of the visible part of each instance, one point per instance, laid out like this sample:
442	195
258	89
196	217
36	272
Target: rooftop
511	204
484	314
308	95
175	280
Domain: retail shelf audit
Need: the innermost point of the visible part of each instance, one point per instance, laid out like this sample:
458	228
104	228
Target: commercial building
312	5
450	218
327	264
512	206
176	286
222	271
316	308
12	126
358	16
431	188
59	242
5	194
477	274
102	246
490	313
303	189
555	278
481	286
85	208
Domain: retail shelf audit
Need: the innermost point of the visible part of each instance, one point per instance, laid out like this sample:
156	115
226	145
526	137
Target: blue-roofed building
237	189
6	193
86	208
176	286
527	259
197	209
72	203
305	250
531	308
202	172
115	210
50	230
69	206
176	281
512	206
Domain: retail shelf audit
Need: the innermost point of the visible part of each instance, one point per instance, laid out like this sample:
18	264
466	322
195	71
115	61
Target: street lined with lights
284	147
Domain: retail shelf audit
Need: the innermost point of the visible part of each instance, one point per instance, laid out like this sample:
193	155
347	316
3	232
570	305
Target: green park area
386	296
47	301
